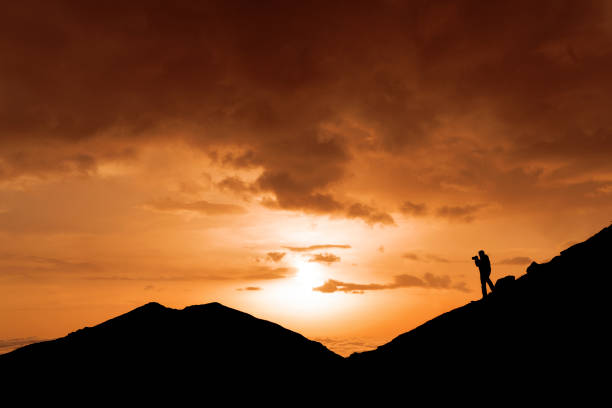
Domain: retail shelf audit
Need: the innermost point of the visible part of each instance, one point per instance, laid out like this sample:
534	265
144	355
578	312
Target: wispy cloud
275	256
200	207
413	209
315	247
464	213
424	257
517	260
32	266
264	273
325	258
7	345
429	281
248	274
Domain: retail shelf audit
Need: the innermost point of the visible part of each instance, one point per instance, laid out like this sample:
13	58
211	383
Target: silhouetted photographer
484	265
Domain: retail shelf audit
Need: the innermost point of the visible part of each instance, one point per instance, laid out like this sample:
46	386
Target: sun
296	294
309	274
294	297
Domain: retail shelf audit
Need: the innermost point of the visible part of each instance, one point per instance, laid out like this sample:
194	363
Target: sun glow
295	295
309	274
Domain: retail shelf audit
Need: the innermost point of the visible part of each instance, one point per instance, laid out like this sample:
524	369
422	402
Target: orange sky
250	152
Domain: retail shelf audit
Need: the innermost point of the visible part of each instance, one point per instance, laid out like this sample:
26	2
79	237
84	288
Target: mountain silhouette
547	325
160	345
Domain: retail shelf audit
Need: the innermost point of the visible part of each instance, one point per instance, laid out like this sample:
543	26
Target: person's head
481	253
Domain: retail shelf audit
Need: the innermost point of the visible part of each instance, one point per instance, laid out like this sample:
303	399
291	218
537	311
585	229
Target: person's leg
491	284
483	283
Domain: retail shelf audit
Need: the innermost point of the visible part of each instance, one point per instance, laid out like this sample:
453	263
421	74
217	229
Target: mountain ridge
544	323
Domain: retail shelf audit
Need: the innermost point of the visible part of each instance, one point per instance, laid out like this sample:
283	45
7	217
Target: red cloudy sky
330	166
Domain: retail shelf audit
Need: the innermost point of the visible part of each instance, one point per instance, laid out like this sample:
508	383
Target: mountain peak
152	306
209	306
153	338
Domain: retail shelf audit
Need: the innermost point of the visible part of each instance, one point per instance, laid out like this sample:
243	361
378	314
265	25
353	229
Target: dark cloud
429	281
369	214
298	90
517	260
413	209
275	256
236	185
247	159
250	288
331	286
15	164
318	203
465	213
315	203
48	161
325	258
201	207
300	184
315	247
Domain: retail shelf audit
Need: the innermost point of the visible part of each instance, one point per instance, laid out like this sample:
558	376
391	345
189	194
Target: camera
475	258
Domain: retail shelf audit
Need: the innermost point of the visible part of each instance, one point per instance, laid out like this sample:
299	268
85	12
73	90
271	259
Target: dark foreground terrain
546	327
